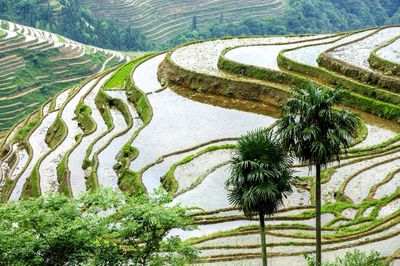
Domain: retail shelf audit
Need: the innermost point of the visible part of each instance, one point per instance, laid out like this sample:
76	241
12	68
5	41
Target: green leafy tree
260	177
103	228
315	132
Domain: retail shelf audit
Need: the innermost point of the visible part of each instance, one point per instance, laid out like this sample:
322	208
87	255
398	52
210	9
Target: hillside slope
159	20
35	65
124	130
305	17
71	19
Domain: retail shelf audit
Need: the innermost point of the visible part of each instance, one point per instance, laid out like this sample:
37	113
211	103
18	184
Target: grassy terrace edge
128	181
354	72
379	63
173	74
286	77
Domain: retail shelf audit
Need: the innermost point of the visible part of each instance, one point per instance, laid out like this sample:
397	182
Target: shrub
355	258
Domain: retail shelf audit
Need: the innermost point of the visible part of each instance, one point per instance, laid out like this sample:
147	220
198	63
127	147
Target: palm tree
315	132
260	177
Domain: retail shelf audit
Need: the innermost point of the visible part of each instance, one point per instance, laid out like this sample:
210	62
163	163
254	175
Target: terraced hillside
171	120
159	20
35	65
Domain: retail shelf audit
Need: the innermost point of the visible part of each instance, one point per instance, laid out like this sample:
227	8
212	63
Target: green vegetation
355	258
62	178
260	177
31	187
382	64
103	101
118	80
130	182
123	108
160	20
83	116
101	228
122	79
305	16
128	153
38	73
24	131
86	27
373	102
139	98
56	133
313	131
124	25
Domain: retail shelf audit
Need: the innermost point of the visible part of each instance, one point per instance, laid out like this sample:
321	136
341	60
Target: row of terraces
171	119
160	20
35	65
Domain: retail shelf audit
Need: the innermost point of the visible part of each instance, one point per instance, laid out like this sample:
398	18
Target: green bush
355	258
99	228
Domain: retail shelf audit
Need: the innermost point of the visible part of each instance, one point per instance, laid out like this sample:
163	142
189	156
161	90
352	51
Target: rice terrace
75	118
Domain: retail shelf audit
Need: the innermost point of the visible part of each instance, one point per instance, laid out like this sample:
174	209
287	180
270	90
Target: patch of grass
56	133
128	153
123	108
130	182
83	114
377	146
103	101
63	177
337	207
118	80
31	187
24	131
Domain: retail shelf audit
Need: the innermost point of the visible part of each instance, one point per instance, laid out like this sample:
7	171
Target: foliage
102	228
355	258
74	21
312	129
260	175
305	16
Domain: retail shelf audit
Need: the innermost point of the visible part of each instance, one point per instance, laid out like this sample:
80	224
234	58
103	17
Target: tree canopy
103	228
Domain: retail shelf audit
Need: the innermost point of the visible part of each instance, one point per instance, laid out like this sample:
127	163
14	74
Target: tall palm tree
260	177
315	132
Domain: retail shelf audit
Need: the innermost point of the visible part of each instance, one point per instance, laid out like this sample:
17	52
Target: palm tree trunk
318	213
263	242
